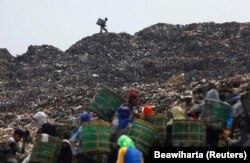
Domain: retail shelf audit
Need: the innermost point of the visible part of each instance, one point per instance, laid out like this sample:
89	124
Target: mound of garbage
160	61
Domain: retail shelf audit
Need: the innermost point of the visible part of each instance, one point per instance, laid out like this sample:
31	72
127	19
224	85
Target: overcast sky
61	23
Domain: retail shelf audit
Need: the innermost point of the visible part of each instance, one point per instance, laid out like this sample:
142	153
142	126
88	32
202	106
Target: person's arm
113	129
136	115
74	138
121	155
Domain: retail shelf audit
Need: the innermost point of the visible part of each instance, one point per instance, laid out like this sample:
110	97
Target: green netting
142	133
4	150
45	152
96	137
188	133
106	104
149	119
216	113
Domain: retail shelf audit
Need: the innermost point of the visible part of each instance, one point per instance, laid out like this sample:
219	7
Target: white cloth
45	138
41	118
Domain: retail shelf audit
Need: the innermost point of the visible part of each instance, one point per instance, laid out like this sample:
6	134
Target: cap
133	94
188	94
85	117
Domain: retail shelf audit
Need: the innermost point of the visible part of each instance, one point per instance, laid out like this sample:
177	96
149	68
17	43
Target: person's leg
88	158
80	158
169	136
106	31
112	157
212	137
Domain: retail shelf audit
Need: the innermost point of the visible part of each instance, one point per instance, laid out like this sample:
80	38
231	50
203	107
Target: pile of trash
160	62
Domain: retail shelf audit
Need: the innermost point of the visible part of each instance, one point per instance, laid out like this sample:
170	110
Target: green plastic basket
106	104
159	120
45	152
96	137
143	135
189	133
100	22
216	114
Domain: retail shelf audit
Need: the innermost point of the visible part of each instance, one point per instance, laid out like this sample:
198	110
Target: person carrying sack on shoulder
126	113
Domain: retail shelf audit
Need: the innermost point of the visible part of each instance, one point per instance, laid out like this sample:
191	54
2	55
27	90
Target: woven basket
216	114
188	133
4	152
100	22
45	152
159	120
96	137
106	104
142	133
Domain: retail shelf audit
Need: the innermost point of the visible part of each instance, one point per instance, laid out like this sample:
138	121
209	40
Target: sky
62	23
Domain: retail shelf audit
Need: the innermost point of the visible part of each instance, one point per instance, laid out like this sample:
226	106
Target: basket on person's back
100	22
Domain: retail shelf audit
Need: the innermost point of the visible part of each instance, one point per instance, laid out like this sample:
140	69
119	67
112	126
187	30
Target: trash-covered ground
160	62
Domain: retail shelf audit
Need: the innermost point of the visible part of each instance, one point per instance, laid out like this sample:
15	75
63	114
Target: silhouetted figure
102	24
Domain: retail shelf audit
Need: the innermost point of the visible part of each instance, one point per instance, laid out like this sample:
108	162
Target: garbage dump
160	62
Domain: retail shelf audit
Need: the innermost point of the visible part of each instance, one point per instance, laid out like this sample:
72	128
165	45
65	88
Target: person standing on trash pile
119	126
127	152
66	154
147	110
212	134
174	113
177	113
133	101
122	124
44	126
147	113
104	25
226	131
241	120
122	121
212	94
76	138
15	148
188	105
